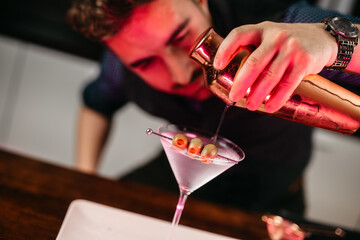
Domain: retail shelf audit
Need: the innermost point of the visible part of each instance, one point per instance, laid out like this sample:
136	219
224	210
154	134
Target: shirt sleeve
106	93
302	12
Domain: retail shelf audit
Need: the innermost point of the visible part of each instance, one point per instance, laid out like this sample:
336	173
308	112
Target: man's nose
180	65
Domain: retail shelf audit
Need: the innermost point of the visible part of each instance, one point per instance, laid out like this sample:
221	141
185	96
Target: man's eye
144	64
179	39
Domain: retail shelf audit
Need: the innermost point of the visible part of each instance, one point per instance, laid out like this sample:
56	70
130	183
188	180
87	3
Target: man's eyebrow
177	31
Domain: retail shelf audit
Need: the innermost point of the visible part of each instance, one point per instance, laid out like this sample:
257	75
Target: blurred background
43	67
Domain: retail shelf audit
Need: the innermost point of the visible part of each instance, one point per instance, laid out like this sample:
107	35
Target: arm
101	99
92	133
284	54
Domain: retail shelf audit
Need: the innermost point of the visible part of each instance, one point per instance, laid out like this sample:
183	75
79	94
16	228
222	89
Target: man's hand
284	54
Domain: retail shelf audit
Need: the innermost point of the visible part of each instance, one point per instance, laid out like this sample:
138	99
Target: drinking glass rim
208	135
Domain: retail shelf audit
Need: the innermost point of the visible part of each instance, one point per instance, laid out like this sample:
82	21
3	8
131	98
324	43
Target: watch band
345	52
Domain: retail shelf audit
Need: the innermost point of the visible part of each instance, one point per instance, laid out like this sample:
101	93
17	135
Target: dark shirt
277	151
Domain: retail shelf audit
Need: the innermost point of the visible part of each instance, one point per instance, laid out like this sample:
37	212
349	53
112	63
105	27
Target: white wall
39	98
342	6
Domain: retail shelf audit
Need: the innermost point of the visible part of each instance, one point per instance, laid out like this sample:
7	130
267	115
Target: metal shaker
317	101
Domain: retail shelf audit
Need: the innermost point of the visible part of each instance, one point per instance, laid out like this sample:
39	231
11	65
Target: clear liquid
214	138
189	170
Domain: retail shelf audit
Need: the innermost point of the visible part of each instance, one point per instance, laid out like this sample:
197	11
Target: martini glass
192	171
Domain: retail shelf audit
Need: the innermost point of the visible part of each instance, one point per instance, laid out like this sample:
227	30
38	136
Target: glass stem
179	209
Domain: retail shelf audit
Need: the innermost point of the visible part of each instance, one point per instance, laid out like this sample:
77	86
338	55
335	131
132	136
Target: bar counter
35	196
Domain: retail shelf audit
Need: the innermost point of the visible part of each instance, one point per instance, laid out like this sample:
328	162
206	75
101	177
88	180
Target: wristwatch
346	35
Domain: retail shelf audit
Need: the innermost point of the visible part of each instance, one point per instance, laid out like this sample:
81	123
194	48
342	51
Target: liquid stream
214	138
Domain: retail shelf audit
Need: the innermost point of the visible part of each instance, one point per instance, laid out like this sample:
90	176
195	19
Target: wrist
345	33
334	48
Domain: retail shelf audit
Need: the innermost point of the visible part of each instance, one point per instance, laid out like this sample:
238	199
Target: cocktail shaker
316	101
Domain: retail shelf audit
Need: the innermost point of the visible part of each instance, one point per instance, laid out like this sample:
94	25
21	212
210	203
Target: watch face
344	27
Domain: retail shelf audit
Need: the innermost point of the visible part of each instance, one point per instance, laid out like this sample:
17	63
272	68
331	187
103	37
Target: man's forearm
93	129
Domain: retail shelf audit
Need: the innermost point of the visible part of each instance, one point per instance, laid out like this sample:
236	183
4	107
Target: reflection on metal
316	101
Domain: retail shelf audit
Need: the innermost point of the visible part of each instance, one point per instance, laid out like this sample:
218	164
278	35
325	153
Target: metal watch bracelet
345	52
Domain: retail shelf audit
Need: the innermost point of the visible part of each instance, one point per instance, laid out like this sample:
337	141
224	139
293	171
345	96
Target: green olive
180	141
195	146
209	151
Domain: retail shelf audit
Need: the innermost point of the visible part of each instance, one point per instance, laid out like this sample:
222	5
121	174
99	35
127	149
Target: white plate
89	220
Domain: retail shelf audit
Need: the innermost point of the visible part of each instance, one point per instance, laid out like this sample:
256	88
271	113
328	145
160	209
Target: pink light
180	207
203	52
228	79
267	98
248	91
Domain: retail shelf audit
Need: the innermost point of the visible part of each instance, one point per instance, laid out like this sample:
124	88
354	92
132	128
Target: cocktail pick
149	131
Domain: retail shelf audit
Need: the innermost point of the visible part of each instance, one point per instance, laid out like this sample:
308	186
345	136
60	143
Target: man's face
156	41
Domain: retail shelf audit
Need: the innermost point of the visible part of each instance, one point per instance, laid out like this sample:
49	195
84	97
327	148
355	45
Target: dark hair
99	19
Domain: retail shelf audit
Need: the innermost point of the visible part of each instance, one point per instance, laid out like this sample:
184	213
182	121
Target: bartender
146	62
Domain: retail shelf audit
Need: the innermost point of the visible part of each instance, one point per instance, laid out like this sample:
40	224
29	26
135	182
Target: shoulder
303	12
228	14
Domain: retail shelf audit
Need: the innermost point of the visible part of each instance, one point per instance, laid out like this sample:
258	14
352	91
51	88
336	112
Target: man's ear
202	3
204	7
